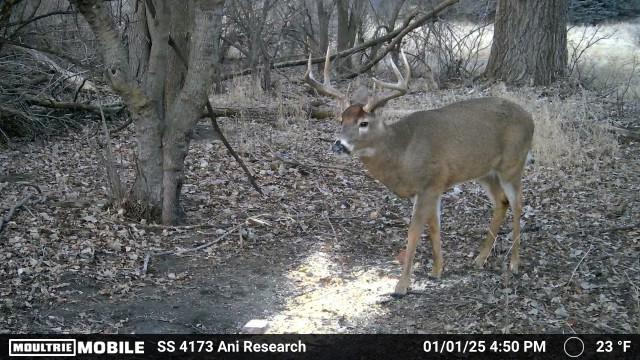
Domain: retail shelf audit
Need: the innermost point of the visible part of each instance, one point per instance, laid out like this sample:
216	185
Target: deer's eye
364	124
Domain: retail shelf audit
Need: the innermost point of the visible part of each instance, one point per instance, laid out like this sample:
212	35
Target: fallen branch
49	103
214	123
73	61
265	112
601	326
75	78
7	111
297	163
5	219
147	258
622	132
597	229
122	127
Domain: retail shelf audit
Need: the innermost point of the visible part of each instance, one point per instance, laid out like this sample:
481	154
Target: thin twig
578	265
600	326
147	258
597	229
5	219
214	123
122	127
316	165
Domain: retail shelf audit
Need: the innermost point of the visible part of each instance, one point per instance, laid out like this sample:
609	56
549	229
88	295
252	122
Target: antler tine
402	85
325	87
327	68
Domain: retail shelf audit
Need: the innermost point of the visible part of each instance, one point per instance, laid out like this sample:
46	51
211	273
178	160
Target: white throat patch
366	152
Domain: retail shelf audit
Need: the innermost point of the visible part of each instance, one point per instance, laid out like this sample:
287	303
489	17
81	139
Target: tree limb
395	36
49	103
214	123
5	219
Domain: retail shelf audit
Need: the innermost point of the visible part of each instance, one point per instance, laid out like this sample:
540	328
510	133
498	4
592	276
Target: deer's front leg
433	220
425	206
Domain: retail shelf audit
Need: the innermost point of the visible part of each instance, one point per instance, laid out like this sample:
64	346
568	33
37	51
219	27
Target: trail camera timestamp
482	346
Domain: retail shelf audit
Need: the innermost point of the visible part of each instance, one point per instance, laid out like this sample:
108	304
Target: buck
426	152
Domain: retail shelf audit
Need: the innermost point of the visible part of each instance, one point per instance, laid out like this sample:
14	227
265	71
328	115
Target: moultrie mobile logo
72	347
42	347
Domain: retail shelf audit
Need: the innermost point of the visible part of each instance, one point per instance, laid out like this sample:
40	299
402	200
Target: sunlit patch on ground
334	298
331	296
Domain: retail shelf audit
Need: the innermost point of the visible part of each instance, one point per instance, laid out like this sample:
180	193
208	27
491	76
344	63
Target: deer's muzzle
339	148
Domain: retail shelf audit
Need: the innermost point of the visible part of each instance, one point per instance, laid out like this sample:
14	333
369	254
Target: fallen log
262	112
52	104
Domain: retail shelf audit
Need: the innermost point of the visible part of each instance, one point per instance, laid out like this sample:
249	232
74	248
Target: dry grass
612	63
570	132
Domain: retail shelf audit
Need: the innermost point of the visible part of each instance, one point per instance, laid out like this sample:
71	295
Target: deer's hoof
436	272
478	263
401	289
514	267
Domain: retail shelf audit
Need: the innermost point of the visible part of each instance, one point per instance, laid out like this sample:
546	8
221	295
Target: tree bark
529	42
350	13
324	16
190	101
163	127
138	40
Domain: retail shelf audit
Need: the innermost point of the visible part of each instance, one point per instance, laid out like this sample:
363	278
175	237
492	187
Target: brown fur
427	152
351	114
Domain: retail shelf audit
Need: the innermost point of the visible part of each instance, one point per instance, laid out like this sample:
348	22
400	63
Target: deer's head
361	128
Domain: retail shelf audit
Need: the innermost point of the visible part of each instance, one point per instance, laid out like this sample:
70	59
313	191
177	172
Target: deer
426	152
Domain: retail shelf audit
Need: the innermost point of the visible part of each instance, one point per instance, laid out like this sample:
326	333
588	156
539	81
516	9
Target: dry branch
5	219
413	21
297	163
147	258
214	123
71	105
262	112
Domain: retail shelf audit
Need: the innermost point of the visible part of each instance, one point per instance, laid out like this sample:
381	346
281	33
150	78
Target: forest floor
317	253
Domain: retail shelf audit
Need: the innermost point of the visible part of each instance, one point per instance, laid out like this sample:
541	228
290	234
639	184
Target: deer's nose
339	148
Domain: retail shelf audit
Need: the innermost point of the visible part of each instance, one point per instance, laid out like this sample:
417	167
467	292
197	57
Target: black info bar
429	346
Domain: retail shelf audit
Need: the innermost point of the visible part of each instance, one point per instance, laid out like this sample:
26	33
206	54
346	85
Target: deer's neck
384	161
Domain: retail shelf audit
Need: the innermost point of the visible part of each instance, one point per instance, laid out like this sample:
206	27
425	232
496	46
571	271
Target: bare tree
529	42
166	106
350	21
317	25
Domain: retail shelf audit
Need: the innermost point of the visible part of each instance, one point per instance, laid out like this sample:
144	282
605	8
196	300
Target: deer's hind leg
496	193
513	191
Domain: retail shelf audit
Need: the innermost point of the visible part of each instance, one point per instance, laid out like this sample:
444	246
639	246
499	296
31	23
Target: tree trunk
324	16
164	115
529	42
190	101
350	13
138	40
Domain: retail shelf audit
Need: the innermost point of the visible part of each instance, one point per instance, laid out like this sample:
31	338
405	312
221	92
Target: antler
324	88
402	86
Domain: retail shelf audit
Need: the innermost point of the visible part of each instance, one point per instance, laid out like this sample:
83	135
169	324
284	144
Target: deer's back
460	142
